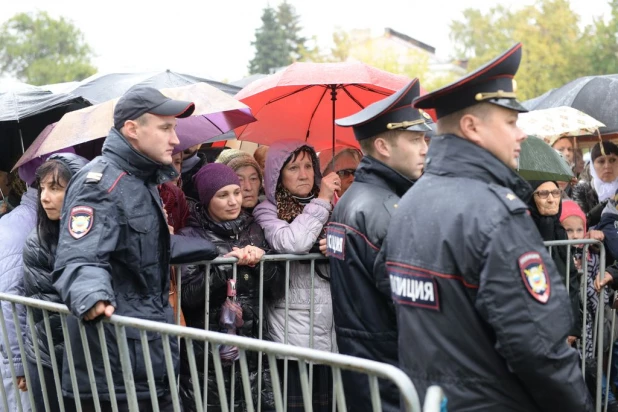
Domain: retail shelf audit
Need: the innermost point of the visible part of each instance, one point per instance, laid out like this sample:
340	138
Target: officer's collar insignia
511	196
81	220
534	274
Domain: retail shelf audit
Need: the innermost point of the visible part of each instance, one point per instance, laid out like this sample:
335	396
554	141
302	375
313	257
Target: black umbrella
597	96
25	110
101	88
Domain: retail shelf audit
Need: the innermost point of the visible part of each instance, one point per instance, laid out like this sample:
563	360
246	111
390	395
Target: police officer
114	251
392	137
480	305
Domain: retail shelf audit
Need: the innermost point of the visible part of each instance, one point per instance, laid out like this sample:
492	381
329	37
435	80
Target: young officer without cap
481	308
114	251
392	137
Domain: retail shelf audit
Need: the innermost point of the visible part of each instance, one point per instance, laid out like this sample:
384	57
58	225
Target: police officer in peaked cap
481	309
391	135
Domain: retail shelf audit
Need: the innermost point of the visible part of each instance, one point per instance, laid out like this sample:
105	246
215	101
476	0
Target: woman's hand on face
330	184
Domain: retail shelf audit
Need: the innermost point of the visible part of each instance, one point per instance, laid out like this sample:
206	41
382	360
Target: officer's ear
382	147
469	126
129	130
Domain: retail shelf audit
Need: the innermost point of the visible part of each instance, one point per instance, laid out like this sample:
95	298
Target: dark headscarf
549	226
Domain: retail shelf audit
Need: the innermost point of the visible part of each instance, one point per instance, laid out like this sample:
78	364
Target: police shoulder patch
81	220
335	242
534	274
513	203
413	287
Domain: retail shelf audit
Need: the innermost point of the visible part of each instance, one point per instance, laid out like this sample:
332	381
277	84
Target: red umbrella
303	100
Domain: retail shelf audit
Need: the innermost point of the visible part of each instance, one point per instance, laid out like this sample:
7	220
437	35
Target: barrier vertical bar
106	365
89	367
37	354
274	377
219	375
600	334
585	305
54	361
260	335
152	388
194	376
340	396
69	354
246	383
312	321
304	385
9	355
233	367
171	373
22	352
374	389
206	327
127	372
286	331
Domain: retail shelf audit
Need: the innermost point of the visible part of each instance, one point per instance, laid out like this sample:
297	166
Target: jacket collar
451	155
118	149
372	171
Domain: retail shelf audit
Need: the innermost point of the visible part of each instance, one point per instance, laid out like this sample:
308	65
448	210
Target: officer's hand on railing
596	235
329	185
100	308
21	384
323	246
598	283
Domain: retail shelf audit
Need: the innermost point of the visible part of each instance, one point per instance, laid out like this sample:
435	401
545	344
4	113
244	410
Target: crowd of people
436	261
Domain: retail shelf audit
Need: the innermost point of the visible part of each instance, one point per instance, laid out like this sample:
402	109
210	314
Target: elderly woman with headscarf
593	197
545	209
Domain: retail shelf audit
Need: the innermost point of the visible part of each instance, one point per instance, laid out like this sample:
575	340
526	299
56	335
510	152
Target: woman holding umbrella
294	215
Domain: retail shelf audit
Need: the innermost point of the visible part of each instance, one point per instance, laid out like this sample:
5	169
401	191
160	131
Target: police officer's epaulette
513	203
391	204
95	174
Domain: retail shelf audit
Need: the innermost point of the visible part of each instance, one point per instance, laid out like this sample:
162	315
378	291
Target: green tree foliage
271	45
602	43
554	45
38	49
290	23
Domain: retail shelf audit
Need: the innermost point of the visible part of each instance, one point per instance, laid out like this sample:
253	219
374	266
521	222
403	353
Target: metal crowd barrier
600	399
272	351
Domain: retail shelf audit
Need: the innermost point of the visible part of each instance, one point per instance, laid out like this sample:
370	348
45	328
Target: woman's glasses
544	194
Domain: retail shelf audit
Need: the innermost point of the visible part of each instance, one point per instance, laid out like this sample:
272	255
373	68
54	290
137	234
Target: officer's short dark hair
450	122
366	145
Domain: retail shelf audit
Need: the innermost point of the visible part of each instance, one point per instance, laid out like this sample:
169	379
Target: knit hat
229	154
242	161
571	208
211	178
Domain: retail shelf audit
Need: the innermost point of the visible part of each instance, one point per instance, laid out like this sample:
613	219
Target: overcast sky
213	38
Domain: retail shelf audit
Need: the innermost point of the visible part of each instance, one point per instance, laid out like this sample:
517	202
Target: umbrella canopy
103	87
539	161
25	110
303	101
555	123
597	96
215	113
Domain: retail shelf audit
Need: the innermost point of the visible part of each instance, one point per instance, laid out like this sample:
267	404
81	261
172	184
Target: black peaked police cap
394	112
493	83
139	100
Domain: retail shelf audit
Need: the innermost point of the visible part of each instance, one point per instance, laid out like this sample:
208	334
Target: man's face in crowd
498	133
187	153
153	136
345	167
177	163
408	153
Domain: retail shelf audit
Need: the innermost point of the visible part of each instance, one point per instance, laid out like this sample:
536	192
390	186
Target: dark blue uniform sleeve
89	233
522	298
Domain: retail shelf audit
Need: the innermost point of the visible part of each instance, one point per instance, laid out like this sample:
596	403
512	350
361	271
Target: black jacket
115	246
239	233
550	229
39	258
366	327
481	308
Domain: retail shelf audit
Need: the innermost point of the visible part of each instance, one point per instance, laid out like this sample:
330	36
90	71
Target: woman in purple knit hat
219	218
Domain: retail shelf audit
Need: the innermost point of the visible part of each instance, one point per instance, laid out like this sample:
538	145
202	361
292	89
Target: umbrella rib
213	123
302	89
313	114
369	89
352	97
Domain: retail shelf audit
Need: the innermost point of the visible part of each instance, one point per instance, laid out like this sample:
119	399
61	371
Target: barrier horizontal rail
372	369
